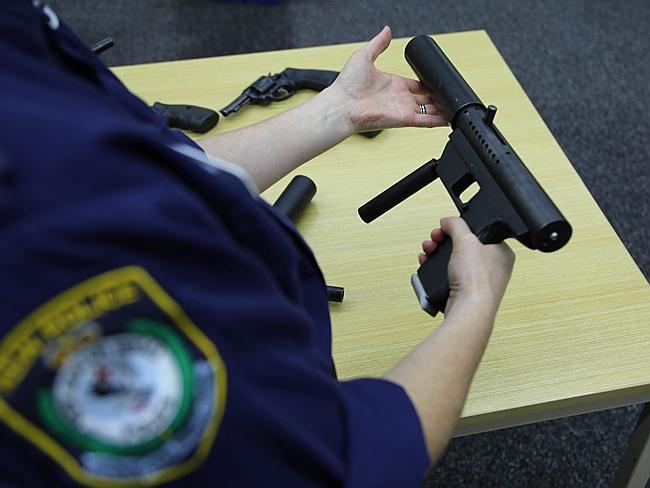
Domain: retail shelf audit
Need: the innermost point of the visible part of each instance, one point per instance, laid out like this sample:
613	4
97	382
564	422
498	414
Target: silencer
295	197
445	85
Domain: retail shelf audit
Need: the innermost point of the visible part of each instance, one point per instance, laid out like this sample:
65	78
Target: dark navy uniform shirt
159	322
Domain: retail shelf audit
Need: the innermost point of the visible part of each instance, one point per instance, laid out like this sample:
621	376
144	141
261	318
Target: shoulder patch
114	382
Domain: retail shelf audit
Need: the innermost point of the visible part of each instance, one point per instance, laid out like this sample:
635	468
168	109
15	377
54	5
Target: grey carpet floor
584	64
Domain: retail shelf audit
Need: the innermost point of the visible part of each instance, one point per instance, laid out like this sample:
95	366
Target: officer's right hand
478	273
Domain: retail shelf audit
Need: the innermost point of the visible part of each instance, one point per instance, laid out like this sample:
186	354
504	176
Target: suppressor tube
295	197
445	84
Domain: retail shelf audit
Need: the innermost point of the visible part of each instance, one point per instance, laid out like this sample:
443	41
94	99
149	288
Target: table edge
290	49
551	410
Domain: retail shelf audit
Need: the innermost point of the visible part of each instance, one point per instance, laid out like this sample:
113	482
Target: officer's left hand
379	100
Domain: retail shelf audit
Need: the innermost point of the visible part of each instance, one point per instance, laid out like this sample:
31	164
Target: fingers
427	120
431	116
429	108
432	107
415	86
437	235
425	100
379	43
428	246
456	228
421	93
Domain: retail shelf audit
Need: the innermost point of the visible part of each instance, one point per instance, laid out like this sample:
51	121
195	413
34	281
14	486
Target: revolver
280	86
509	202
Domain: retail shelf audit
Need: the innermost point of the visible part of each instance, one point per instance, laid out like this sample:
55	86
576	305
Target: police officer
160	323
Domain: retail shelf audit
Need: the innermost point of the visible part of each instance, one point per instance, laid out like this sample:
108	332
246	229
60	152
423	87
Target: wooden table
573	332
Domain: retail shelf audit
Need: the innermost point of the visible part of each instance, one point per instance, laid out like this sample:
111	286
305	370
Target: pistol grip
430	282
187	117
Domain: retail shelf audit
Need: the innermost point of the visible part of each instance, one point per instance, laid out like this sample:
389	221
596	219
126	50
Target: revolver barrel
234	106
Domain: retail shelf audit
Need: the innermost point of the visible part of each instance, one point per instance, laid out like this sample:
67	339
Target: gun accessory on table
103	45
509	201
188	117
280	86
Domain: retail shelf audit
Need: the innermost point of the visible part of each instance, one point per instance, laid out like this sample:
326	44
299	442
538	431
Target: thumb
456	228
379	43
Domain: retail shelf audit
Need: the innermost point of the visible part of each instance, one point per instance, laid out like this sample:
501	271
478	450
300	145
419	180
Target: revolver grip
187	117
430	282
312	79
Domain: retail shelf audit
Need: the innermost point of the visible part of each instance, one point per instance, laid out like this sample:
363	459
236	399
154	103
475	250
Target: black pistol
280	86
509	201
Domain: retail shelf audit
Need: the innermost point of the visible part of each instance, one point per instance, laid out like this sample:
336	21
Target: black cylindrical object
446	86
102	45
295	197
335	293
400	191
547	227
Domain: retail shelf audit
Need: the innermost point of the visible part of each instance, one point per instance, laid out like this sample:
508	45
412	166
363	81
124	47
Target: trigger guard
281	93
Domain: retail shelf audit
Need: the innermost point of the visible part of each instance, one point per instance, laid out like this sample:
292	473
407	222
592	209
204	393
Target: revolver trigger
281	93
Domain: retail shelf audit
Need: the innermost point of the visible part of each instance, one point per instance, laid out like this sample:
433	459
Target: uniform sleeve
229	294
385	442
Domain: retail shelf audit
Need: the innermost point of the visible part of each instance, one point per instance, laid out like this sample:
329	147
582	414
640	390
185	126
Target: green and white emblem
123	394
113	382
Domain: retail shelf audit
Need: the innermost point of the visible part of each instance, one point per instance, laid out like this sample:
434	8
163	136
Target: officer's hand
477	273
379	100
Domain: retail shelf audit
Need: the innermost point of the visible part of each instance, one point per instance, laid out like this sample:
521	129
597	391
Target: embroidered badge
114	382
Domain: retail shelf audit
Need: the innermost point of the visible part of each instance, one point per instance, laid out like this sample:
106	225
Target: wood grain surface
574	327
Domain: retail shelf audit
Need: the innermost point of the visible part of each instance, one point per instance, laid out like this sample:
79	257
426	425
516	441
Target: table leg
634	469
